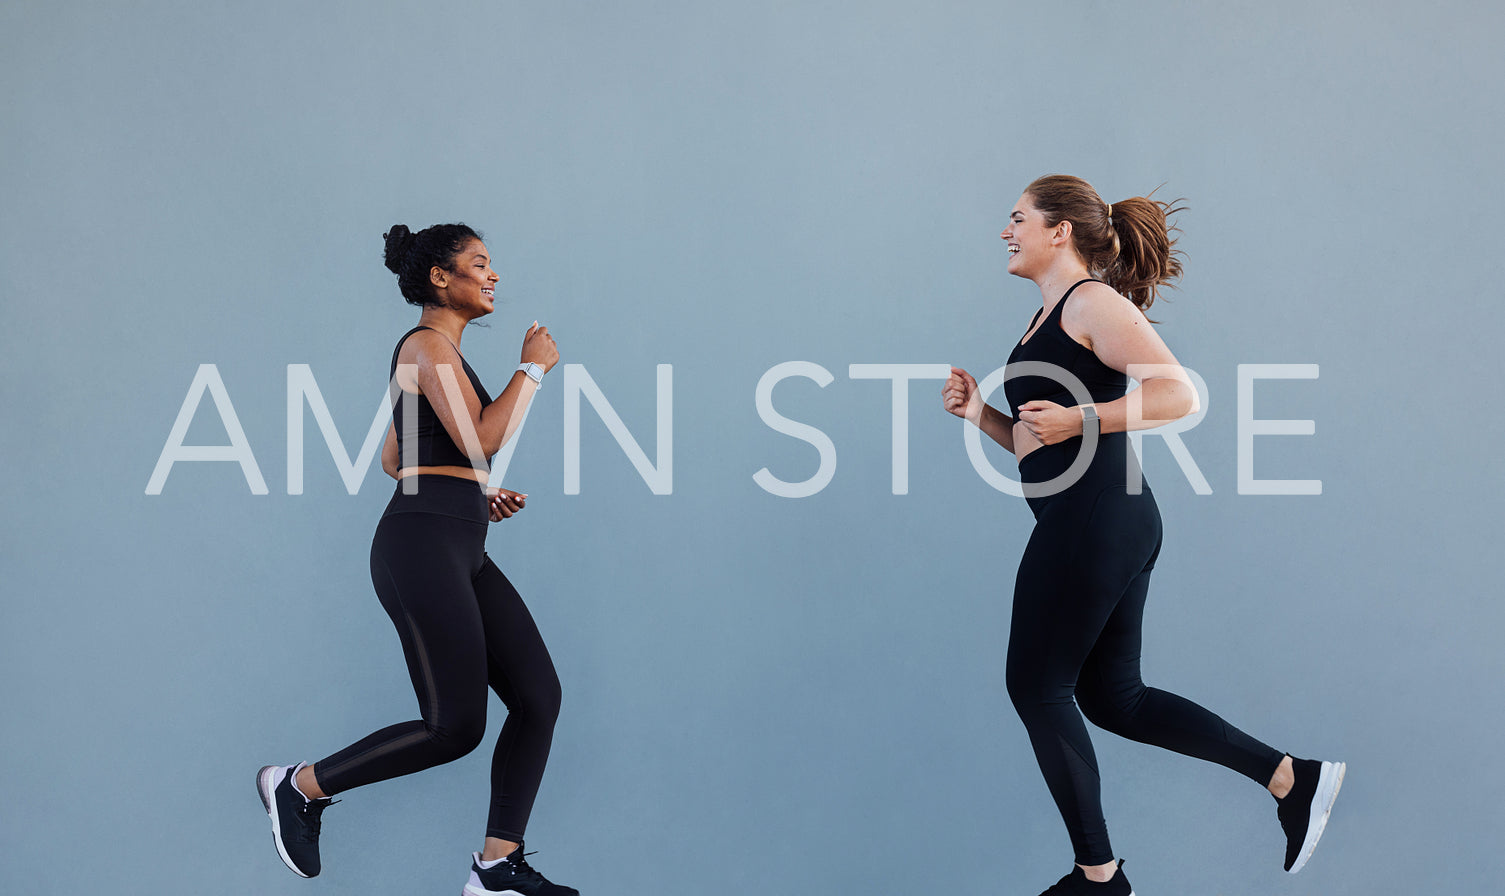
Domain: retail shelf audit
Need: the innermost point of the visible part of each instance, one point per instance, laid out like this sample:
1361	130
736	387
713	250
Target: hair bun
399	241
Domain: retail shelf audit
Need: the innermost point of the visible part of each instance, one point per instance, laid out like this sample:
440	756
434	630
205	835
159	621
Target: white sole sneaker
266	784
475	888
1328	783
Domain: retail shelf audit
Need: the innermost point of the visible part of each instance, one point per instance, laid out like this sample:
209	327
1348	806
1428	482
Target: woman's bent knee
1113	713
542	701
458	740
537	701
1031	693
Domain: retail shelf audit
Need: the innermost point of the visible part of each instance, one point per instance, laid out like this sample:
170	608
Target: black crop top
1053	345
435	447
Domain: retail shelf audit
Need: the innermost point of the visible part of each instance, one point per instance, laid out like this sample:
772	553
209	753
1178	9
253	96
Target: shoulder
1095	307
427	348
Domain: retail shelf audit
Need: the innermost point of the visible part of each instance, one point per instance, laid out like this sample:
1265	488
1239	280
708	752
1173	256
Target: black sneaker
295	819
1077	884
1303	812
511	877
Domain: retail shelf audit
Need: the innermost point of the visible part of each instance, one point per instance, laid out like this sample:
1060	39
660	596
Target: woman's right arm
456	404
508	408
960	396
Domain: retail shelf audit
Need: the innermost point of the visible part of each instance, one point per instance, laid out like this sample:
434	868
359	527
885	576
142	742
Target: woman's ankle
496	848
1099	874
1283	779
308	785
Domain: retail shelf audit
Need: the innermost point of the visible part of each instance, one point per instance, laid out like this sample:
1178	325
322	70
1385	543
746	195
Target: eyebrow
480	255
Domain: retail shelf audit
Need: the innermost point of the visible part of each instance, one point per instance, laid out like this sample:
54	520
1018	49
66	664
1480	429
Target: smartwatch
1090	421
534	372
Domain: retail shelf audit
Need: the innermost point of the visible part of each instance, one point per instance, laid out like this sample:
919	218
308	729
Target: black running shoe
295	819
512	877
1077	884
1303	812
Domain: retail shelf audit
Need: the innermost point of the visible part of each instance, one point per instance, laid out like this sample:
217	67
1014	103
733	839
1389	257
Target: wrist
532	371
1090	421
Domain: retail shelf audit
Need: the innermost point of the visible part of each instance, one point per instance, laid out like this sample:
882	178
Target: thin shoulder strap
1056	311
1062	304
398	350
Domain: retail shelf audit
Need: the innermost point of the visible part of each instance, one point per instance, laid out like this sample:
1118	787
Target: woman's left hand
504	503
1049	422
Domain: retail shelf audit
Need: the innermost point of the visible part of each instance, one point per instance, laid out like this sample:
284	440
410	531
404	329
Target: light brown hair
1134	251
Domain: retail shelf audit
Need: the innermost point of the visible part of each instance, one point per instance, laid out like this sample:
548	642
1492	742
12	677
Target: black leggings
463	627
1076	631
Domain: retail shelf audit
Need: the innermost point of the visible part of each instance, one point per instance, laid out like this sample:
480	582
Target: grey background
761	694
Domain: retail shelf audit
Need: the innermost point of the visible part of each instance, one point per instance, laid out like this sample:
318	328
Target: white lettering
660	475
763	397
239	450
1170	431
901	374
1249	427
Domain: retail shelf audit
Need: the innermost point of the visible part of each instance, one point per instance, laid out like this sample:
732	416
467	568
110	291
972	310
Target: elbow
1191	400
1169	400
1181	407
1189	404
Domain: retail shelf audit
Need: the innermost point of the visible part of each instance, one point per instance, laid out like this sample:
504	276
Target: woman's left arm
504	503
1122	338
389	458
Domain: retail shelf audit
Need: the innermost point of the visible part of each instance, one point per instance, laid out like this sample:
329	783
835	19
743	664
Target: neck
1054	282
446	320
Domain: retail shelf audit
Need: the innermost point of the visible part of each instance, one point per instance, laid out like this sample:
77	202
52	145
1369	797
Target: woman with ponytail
1079	596
462	625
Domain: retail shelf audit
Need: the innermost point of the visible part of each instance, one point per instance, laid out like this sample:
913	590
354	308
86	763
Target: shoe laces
521	868
312	814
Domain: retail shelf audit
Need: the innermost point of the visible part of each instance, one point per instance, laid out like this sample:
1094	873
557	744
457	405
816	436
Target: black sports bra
435	447
1053	345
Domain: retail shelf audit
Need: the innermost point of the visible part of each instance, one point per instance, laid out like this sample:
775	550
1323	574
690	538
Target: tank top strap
1056	311
398	350
1034	320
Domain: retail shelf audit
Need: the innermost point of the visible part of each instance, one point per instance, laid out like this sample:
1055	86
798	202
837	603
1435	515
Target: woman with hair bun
462	625
1079	596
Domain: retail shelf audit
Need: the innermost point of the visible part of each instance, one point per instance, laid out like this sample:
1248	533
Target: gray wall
760	692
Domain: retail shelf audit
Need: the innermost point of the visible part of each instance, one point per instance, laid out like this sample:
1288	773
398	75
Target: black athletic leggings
463	627
1076	631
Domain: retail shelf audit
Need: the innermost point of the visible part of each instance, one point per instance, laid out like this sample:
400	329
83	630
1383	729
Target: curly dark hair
411	256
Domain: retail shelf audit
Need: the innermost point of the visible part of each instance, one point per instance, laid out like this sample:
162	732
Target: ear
1062	234
439	277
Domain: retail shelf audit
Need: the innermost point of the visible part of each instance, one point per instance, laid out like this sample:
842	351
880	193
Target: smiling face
469	286
1030	240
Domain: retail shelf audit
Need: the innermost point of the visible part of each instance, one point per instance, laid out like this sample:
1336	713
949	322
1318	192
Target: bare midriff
1024	440
471	473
